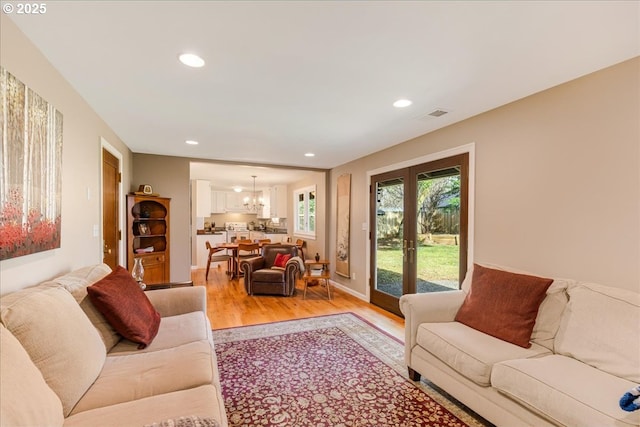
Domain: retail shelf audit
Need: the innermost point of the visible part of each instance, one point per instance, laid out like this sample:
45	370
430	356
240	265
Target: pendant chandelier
254	204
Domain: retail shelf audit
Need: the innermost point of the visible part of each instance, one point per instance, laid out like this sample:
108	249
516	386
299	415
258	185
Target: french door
418	230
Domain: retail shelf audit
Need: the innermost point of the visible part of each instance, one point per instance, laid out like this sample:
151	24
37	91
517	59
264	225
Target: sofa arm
430	307
174	301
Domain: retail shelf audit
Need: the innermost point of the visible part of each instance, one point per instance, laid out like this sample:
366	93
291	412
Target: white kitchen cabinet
218	201
275	238
275	202
256	235
203	198
235	201
265	211
279	201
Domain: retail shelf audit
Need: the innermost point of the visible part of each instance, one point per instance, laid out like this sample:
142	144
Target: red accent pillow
281	260
125	306
503	304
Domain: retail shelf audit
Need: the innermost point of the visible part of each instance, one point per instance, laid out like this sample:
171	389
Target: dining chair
299	245
217	258
247	249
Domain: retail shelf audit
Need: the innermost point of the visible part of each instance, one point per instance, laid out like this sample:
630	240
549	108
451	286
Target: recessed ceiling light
401	103
191	142
191	60
237	189
309	154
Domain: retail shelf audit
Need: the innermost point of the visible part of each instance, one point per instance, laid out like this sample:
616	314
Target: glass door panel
388	240
437	247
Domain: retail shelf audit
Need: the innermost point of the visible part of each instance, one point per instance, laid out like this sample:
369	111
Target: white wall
557	181
81	163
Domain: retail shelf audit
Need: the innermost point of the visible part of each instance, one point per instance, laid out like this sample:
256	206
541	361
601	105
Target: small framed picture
143	228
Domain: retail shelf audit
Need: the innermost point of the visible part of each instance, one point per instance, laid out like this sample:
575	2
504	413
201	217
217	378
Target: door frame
104	144
467	148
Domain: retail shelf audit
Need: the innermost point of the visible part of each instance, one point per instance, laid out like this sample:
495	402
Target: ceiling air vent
437	113
433	114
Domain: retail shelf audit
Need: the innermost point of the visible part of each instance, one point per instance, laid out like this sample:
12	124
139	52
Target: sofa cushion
600	328
550	311
135	376
565	390
173	332
58	337
76	282
503	304
25	397
550	314
470	352
202	401
121	301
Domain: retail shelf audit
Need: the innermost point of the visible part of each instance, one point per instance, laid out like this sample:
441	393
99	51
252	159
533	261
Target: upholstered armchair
263	276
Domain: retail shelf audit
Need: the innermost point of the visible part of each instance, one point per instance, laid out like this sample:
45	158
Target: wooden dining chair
299	245
217	258
247	249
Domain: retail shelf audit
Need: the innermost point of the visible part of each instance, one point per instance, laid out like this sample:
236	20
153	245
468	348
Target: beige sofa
63	365
585	355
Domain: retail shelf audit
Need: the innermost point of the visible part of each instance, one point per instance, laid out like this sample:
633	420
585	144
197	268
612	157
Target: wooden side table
323	274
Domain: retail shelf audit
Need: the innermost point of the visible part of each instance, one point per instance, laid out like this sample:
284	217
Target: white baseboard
350	291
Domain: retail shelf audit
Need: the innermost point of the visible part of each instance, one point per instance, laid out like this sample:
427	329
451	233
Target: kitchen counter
276	231
202	232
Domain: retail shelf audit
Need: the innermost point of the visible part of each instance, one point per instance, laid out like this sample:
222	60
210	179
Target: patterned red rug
324	371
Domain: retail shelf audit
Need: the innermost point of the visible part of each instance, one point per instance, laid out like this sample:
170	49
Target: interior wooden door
110	209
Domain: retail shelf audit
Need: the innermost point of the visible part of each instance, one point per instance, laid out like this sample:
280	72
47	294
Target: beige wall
81	163
557	182
169	176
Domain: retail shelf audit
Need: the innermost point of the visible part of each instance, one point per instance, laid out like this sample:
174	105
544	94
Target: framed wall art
31	164
343	222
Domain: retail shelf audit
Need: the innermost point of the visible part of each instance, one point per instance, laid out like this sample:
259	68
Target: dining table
233	247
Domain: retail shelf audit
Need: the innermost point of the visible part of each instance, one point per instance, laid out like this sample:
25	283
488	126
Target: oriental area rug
335	370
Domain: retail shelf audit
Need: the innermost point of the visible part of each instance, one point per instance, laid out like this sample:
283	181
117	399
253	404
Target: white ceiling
285	78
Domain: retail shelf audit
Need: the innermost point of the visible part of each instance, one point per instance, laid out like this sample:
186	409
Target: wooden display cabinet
148	236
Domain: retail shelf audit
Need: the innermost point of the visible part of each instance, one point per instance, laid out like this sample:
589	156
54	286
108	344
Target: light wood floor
229	305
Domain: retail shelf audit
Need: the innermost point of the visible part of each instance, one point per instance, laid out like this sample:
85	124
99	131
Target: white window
304	202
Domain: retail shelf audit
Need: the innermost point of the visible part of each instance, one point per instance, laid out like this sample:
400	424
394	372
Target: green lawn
435	262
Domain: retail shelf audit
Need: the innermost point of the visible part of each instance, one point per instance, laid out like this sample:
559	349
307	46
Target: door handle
404	250
411	251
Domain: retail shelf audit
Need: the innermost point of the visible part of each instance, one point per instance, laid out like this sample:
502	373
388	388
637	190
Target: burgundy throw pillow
281	260
503	304
125	306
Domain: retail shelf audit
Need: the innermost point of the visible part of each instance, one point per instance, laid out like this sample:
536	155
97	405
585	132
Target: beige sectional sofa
63	365
584	355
